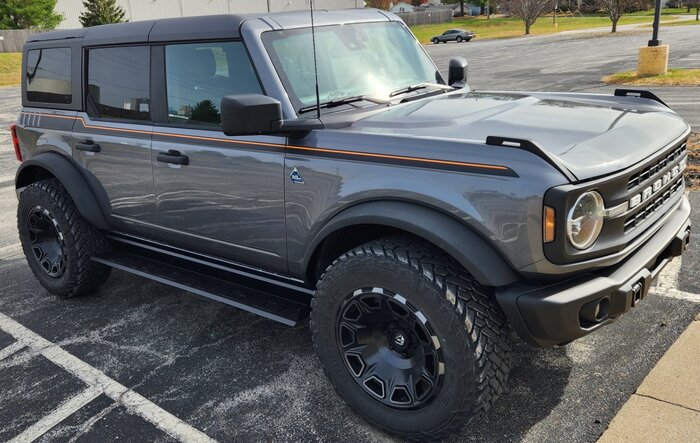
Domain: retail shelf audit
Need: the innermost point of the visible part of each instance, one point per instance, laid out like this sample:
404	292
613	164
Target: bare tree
526	10
616	8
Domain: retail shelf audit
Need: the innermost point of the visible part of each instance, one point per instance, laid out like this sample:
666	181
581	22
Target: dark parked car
453	35
414	220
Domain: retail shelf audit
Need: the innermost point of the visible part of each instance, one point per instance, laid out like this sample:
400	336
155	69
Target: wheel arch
367	221
52	165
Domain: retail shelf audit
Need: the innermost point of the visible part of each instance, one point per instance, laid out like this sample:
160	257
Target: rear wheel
459	39
409	339
57	242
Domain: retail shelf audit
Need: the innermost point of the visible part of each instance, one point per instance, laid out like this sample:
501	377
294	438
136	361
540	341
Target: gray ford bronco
414	220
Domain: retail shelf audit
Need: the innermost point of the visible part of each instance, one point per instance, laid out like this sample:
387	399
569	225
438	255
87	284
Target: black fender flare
471	250
71	178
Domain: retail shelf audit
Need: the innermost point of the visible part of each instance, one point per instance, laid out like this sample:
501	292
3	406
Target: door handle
173	157
88	146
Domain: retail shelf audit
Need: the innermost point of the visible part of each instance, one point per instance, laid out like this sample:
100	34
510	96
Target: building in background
153	9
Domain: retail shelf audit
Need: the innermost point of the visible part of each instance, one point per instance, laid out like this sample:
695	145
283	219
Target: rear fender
51	164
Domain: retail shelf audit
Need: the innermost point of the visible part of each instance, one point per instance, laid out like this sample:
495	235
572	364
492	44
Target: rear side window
48	75
118	80
198	75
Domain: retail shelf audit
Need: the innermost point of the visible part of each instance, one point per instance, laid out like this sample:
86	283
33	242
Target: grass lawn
502	27
675	77
10	68
664	11
683	23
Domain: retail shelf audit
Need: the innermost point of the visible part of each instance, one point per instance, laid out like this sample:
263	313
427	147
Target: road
574	62
143	362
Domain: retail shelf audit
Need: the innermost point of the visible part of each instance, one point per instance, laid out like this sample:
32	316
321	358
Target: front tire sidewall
457	390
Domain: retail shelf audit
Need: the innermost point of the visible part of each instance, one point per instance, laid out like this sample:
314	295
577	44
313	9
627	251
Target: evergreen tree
29	14
101	12
205	111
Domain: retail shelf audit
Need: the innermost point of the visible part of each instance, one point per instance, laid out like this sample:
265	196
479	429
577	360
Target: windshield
371	59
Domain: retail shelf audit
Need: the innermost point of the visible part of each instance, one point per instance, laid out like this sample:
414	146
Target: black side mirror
250	114
457	74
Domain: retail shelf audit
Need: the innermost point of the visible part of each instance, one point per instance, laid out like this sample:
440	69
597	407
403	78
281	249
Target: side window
198	75
48	75
118	80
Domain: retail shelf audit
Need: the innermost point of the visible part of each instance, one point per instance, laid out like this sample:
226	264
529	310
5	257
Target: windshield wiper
418	87
342	101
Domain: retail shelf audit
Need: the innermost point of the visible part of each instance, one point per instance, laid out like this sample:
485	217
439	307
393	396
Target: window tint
118	81
48	75
199	75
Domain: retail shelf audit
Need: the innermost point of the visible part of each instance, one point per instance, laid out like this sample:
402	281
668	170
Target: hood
590	134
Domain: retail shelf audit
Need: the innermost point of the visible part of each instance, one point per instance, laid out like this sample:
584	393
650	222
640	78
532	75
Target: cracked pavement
187	362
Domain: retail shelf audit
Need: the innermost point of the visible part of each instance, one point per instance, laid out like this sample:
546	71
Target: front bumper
548	314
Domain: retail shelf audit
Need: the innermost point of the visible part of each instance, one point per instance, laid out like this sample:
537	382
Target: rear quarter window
48	75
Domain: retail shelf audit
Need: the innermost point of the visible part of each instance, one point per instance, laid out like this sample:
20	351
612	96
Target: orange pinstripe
276	145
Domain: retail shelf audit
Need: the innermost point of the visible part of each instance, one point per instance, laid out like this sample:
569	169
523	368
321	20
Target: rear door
112	140
216	194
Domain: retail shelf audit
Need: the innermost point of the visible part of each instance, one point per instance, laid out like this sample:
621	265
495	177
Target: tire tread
86	240
476	308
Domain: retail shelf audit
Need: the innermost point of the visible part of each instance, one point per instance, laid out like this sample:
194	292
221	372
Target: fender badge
296	177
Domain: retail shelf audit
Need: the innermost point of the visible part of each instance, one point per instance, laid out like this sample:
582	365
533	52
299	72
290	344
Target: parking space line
95	378
58	415
667	284
668	279
9	350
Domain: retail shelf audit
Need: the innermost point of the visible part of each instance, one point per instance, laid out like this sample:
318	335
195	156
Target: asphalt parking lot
574	63
140	361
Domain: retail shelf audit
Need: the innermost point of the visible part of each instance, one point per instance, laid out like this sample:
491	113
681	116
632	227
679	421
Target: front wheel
436	41
409	339
459	39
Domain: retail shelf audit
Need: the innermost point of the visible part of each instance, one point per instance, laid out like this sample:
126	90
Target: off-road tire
471	328
80	240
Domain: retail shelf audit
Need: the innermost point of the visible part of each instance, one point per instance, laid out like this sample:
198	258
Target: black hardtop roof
205	27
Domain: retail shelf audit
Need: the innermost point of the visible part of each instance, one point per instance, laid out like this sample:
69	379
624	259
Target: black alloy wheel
47	242
408	338
389	348
57	242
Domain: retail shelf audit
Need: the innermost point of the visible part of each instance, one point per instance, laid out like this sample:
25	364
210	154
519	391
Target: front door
113	139
216	194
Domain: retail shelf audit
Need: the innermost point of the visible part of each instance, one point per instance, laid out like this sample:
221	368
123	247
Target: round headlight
585	220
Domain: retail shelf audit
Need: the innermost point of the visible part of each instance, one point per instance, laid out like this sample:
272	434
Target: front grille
646	191
647	173
650	208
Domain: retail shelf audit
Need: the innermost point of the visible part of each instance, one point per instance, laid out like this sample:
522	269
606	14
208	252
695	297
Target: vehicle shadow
536	385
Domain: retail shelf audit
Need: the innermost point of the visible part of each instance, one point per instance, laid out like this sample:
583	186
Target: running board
222	288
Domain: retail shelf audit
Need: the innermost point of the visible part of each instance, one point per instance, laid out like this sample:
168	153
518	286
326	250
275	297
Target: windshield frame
297	104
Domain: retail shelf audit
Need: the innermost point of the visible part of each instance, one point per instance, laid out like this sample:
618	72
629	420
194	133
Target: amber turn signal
548	224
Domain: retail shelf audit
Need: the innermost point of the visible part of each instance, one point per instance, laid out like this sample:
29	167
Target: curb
666	406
